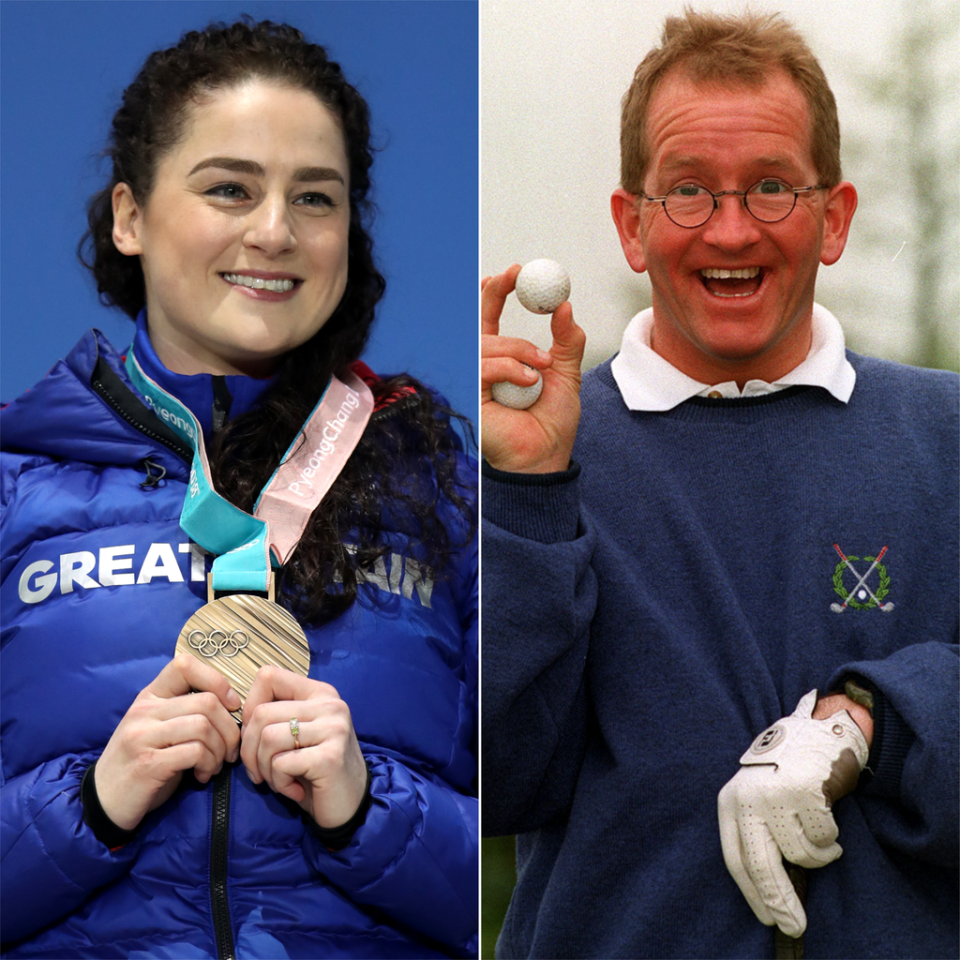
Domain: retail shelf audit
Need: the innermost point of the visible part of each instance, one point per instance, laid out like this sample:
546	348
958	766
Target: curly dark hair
407	463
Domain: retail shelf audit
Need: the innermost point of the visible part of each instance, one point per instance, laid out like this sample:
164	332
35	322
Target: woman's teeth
277	286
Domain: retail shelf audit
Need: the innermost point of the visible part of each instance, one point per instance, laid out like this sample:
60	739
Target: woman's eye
228	191
318	201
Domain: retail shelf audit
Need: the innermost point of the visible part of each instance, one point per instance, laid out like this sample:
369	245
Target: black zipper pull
153	479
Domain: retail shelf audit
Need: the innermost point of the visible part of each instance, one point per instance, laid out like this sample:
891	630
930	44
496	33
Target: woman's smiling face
243	239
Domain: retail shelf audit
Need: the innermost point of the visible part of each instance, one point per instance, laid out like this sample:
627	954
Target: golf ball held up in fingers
518	398
542	285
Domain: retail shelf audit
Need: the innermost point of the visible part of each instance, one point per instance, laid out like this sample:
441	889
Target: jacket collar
208	397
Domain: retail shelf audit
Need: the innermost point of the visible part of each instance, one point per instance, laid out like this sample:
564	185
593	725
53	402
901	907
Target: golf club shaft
791	948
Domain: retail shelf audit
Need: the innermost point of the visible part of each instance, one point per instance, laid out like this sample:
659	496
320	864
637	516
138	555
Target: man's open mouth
743	282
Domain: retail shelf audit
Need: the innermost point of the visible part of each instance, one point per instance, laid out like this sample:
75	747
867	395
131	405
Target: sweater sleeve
50	861
416	856
539	598
911	800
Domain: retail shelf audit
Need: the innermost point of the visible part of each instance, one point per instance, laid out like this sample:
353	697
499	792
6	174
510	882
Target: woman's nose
269	227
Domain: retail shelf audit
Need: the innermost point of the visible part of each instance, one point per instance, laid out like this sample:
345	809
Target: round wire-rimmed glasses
768	201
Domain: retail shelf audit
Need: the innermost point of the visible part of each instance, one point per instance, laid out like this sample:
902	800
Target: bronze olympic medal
239	634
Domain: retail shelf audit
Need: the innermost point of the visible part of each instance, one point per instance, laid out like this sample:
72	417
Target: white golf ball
542	286
517	398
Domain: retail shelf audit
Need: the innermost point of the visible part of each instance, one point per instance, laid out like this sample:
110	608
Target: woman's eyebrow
252	168
312	174
230	163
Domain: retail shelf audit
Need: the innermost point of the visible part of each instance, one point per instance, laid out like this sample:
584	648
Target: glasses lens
689	205
770	200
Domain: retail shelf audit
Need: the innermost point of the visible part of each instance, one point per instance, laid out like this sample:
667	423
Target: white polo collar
648	382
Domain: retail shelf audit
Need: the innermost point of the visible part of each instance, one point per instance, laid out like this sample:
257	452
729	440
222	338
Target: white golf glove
779	804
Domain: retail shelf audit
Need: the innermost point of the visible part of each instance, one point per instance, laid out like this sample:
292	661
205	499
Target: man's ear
840	205
626	215
127	221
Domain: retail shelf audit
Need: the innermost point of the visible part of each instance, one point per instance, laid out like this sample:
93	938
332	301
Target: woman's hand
539	439
327	775
168	729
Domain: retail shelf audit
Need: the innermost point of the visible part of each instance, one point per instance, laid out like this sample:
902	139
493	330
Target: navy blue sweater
651	610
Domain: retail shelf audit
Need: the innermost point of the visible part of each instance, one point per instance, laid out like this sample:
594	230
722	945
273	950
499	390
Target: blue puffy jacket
97	581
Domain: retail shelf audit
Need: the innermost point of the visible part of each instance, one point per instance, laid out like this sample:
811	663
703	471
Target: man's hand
835	702
539	439
780	804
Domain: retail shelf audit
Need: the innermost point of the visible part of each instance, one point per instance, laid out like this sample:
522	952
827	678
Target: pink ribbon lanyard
313	462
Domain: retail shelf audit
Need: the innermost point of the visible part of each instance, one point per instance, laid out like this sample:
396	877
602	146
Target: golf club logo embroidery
862	596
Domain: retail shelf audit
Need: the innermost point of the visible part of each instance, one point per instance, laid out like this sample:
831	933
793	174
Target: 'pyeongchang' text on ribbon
331	433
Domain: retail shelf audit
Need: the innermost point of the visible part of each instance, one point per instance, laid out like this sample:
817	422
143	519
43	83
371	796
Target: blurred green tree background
499	875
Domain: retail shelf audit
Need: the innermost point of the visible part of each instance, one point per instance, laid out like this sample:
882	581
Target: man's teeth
747	273
277	286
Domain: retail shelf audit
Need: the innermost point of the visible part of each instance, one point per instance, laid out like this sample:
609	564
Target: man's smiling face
733	298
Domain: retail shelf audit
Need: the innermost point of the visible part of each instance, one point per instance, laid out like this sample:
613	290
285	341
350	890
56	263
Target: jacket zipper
222	402
111	388
115	393
219	839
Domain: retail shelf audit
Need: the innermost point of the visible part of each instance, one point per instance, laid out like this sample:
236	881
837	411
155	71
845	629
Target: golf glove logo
779	805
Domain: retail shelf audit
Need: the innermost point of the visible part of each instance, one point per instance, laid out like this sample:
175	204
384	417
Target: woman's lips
264	287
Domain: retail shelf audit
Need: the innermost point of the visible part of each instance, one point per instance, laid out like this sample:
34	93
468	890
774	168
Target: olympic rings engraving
210	644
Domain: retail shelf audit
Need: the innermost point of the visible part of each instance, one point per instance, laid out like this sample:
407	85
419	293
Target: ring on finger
295	730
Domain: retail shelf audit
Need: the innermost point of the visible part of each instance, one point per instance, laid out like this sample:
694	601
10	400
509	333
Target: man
734	574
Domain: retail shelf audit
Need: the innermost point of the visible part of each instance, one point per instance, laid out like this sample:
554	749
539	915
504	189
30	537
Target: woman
138	819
